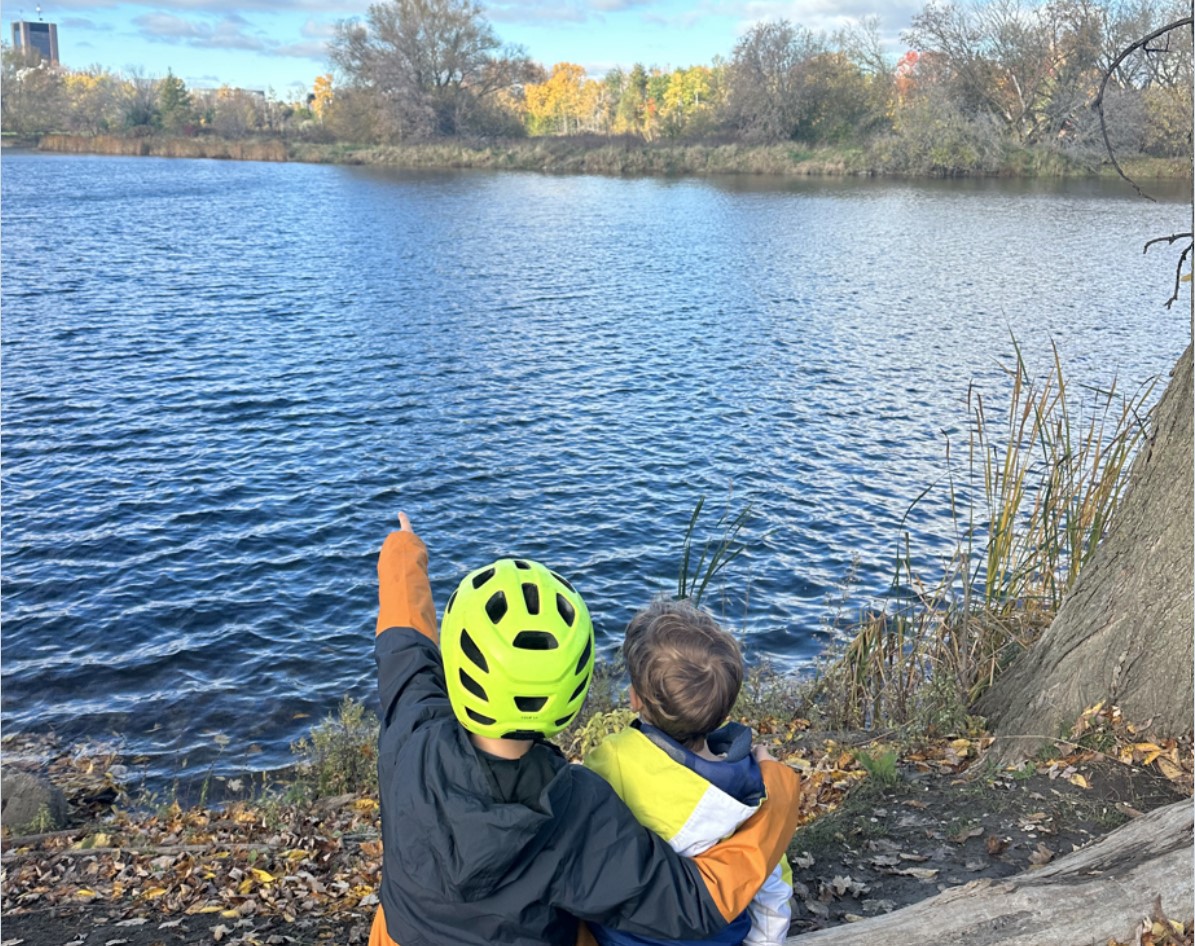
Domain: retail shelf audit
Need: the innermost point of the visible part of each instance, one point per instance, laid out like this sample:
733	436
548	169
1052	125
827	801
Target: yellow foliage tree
322	95
689	100
565	104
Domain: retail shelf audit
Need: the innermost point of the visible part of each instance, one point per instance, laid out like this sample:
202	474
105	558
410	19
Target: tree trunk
1095	894
1125	632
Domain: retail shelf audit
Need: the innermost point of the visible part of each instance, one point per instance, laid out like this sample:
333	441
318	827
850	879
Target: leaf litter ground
265	872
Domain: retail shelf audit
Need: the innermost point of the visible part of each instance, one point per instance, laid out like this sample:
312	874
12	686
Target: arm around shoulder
735	869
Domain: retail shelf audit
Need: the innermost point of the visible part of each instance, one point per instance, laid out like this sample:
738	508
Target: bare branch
1098	104
1172	239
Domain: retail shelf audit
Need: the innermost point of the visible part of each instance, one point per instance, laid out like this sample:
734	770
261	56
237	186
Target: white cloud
82	23
227	33
830	14
533	13
314	7
314	49
317	29
230	32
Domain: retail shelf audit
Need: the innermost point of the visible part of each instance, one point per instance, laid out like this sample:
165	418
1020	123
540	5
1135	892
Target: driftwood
1099	892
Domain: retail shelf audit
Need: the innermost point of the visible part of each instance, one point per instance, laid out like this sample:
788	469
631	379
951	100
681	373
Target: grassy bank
611	156
269	149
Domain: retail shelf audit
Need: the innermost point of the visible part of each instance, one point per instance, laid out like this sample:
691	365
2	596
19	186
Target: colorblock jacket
692	803
463	868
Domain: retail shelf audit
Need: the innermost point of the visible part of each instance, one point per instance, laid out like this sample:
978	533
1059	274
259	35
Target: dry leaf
921	873
1042	855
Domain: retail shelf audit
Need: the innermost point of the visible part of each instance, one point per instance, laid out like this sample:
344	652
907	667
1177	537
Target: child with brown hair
690	781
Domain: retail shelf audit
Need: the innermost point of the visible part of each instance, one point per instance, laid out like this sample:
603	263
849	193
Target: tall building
40	37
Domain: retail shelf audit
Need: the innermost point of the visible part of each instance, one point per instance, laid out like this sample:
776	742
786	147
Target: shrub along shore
600	155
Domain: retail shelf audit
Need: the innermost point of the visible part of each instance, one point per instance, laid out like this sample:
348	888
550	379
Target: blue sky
280	44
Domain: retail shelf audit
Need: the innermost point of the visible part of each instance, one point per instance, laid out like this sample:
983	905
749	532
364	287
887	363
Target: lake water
221	382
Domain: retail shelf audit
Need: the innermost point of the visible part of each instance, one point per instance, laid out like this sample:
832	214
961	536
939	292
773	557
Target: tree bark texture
1125	632
1099	892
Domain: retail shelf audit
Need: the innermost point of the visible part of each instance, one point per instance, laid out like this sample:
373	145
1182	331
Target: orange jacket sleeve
404	592
735	869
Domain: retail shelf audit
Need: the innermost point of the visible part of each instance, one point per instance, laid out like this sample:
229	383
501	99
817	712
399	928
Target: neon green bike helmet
517	646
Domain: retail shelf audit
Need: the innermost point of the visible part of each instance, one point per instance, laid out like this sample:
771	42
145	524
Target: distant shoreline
582	156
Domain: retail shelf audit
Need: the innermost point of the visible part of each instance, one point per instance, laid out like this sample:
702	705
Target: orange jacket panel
735	869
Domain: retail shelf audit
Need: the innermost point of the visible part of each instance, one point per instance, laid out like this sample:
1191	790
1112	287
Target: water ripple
221	381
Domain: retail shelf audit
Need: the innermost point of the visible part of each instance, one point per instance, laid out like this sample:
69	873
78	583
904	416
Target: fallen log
1097	893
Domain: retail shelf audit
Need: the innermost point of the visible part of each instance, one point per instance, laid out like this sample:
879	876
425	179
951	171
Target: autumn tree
355	115
1031	66
565	103
631	112
235	113
94	100
32	97
434	67
321	95
765	80
690	100
139	101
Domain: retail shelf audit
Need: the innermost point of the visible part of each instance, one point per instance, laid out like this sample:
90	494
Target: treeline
978	83
39	99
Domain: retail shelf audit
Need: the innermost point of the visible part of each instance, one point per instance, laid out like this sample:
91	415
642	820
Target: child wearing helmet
688	780
489	835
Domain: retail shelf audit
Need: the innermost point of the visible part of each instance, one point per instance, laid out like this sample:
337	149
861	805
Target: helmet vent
478	718
530	704
581	689
531	598
519	563
473	652
473	686
535	640
451	601
565	582
584	656
482	577
496	606
565	720
566	609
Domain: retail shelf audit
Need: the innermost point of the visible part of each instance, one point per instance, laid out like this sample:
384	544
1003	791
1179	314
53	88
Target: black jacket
461	867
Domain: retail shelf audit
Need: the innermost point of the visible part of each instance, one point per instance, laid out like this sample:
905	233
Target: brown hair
686	670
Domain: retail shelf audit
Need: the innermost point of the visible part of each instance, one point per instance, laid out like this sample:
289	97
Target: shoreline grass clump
339	755
1038	492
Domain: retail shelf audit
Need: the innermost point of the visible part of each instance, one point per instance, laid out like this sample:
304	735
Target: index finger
404	523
